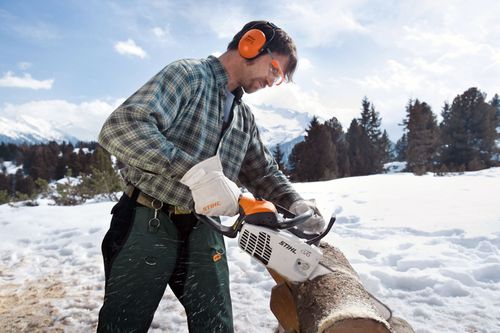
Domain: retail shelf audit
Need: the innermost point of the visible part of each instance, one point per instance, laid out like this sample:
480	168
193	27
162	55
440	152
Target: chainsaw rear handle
228	231
232	231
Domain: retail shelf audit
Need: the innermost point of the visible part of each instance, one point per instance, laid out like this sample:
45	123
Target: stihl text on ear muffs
254	41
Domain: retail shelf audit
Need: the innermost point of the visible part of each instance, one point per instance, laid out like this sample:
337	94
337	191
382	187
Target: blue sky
75	56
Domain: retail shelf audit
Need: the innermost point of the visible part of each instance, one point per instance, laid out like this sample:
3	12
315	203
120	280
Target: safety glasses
275	70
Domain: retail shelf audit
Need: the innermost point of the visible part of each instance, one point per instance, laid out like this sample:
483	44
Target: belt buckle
181	211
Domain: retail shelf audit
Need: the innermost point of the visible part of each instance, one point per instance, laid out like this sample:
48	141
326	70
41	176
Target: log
336	302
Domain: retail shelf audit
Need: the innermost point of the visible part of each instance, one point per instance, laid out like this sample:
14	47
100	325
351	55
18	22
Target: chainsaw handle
313	238
290	219
298	219
228	231
286	213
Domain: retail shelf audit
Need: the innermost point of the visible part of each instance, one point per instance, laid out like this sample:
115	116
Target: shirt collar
221	77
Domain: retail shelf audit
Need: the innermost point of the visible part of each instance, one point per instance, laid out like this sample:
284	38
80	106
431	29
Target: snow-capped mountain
59	121
31	130
281	126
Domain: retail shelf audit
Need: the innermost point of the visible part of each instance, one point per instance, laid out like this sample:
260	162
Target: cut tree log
332	303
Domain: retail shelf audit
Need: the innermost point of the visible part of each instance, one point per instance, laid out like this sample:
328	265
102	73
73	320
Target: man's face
262	72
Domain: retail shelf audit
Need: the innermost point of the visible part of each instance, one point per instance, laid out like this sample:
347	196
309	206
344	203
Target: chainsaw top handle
232	231
258	212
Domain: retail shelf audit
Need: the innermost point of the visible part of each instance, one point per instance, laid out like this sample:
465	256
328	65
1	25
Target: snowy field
427	246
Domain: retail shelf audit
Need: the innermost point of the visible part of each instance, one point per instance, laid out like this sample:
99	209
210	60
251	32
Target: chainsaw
269	233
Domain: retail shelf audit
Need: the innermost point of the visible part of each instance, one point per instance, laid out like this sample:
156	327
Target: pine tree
279	157
314	158
370	123
101	160
341	167
401	148
365	118
468	132
385	148
423	138
359	150
445	113
374	132
4	182
24	185
495	102
297	163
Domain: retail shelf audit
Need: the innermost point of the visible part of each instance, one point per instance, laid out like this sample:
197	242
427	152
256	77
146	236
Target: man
185	138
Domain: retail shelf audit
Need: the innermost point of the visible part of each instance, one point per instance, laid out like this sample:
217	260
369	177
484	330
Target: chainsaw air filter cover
281	251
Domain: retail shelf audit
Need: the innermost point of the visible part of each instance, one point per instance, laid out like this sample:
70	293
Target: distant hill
276	125
26	129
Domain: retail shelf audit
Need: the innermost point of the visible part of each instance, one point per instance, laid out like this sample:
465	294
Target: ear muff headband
254	42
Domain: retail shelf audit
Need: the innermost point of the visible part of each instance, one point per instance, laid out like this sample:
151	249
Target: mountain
73	123
278	125
26	129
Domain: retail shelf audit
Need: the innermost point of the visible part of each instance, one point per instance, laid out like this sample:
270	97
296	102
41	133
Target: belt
148	201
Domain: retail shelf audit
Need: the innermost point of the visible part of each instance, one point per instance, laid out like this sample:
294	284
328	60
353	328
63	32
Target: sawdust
29	307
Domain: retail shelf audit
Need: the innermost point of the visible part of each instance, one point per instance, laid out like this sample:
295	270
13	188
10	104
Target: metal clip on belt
153	203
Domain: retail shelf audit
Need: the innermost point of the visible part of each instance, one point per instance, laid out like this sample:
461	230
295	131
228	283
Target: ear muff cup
252	43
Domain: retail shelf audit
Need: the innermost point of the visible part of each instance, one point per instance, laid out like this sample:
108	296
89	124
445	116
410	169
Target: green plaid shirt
175	121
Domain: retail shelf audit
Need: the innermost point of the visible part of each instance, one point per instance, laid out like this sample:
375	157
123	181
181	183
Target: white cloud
163	33
129	47
83	120
304	64
223	20
291	96
159	32
26	81
319	22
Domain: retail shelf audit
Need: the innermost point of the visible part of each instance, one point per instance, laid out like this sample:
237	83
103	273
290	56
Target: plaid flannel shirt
175	121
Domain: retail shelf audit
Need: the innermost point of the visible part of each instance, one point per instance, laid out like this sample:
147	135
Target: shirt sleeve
133	132
261	175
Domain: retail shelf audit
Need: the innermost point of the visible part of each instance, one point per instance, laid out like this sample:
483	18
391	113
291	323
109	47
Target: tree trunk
335	302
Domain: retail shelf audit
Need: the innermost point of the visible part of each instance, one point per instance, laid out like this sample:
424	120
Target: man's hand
316	223
213	193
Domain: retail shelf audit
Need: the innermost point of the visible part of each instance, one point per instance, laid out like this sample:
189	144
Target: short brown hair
281	43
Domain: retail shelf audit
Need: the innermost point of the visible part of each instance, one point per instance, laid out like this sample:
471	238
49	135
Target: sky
75	56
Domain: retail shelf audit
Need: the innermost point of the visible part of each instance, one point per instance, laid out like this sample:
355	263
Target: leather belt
148	201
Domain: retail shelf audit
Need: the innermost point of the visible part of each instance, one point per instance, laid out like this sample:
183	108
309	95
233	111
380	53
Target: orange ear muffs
251	43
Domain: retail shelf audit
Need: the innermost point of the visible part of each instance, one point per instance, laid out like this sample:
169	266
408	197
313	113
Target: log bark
332	303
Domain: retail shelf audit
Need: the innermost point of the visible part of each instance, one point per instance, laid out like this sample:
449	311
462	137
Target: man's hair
281	43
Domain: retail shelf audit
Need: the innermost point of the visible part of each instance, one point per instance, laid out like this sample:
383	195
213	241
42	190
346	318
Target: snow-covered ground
427	246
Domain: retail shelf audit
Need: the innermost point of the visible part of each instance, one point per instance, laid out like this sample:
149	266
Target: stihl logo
288	247
250	39
211	206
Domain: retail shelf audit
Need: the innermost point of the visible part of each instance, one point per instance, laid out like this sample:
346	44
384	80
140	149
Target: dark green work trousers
141	258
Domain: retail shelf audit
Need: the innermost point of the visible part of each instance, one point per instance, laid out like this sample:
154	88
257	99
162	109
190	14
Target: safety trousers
141	258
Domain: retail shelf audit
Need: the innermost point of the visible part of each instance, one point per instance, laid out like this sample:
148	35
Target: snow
278	125
394	167
83	150
9	167
427	246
